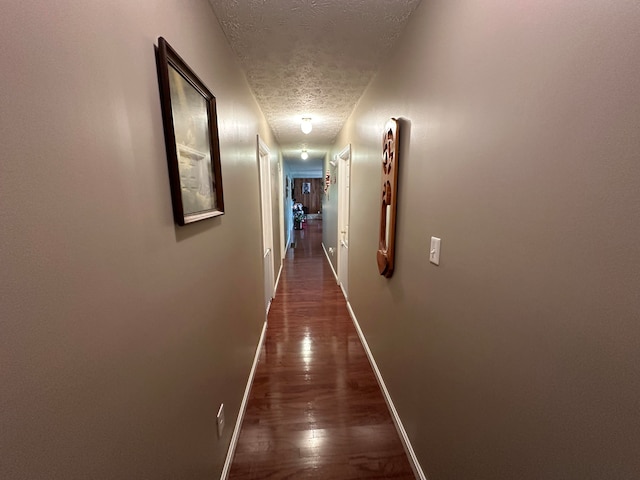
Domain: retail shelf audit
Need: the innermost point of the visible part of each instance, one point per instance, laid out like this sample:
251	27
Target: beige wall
120	333
517	357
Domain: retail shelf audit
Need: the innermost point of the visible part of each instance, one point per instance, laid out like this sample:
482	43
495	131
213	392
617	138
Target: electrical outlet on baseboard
220	420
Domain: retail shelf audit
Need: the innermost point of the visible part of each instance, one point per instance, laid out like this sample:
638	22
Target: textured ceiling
310	58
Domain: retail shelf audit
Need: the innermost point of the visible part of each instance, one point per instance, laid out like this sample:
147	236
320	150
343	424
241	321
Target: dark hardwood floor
315	408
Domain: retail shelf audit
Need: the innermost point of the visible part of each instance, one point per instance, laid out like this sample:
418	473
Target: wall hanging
191	139
389	196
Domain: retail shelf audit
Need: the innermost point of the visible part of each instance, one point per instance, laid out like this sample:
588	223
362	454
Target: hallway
516	356
315	408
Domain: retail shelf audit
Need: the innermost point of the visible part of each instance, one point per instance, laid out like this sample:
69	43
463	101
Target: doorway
267	221
343	160
282	193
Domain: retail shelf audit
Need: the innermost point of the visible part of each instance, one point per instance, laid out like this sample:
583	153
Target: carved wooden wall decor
389	195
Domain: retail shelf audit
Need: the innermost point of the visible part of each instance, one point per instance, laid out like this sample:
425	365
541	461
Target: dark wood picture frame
191	139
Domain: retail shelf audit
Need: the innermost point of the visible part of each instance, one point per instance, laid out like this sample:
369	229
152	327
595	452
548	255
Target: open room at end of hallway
309	191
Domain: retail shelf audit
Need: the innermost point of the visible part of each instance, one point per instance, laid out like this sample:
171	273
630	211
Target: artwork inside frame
306	188
191	139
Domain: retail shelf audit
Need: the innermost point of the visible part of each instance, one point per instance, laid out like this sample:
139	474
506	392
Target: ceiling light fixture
306	125
304	155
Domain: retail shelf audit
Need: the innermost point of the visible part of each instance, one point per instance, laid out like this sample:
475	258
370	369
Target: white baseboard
413	460
344	294
243	407
275	288
330	264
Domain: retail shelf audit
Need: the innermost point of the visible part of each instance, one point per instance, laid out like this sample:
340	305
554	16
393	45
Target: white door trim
343	159
266	206
281	196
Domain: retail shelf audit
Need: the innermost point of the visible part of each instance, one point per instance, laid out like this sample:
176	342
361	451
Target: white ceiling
310	58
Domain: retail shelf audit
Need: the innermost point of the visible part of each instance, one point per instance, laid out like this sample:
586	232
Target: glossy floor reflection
315	409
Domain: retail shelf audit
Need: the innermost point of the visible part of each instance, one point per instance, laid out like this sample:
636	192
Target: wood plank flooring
315	410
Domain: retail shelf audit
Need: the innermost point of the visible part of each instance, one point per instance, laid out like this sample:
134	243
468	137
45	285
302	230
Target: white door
267	222
343	160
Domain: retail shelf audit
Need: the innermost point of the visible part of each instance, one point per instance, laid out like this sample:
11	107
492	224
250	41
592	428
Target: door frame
281	197
266	207
343	160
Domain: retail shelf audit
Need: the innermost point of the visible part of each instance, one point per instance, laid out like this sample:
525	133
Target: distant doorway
309	192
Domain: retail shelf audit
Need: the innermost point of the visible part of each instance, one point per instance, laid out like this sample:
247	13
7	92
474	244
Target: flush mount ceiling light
306	125
304	155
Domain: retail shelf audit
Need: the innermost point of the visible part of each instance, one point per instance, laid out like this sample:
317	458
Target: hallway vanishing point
315	409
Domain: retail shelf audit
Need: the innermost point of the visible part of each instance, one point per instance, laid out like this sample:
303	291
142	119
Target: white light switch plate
434	251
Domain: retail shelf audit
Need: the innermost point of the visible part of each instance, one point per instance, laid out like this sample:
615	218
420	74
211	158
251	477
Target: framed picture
191	139
306	188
